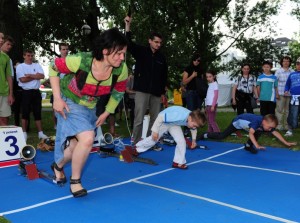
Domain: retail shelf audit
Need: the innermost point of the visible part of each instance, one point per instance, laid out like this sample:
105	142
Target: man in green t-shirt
6	86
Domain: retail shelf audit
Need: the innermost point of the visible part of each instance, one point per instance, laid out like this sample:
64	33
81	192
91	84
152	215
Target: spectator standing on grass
292	88
29	75
211	101
282	103
243	89
150	79
6	84
267	84
189	79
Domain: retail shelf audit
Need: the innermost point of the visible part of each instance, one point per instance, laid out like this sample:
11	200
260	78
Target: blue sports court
223	184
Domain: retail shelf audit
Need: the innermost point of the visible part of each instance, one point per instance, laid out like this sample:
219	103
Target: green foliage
41	30
209	27
294	49
256	51
4	220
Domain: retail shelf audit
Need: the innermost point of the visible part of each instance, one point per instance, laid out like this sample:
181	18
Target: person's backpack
202	87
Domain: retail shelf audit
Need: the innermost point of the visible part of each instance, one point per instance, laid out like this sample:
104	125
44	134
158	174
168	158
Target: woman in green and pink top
88	78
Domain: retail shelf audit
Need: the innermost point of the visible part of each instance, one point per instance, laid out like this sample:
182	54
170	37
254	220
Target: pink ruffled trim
61	65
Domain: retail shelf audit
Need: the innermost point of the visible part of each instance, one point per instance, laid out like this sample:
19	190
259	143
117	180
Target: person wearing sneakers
255	125
29	75
170	120
292	88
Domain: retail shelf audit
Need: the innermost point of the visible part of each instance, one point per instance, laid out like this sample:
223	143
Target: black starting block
125	155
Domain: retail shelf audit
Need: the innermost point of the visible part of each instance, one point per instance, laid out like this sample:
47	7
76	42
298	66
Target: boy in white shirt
171	119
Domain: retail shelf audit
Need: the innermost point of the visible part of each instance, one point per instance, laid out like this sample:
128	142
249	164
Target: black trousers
31	100
228	131
267	107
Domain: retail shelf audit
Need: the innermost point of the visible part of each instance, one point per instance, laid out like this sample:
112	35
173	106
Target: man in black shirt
150	79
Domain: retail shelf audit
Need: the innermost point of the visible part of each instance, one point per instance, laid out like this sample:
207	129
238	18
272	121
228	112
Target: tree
209	27
189	26
41	31
10	25
256	51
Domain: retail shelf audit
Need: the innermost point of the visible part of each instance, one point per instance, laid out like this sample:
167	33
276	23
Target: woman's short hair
112	40
285	58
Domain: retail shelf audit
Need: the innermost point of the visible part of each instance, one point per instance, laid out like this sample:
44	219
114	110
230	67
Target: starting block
125	155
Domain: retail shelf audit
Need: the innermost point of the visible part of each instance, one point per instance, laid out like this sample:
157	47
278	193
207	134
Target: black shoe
79	193
251	149
156	148
58	180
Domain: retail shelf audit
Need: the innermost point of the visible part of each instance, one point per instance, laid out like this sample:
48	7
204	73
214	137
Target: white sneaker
42	136
288	133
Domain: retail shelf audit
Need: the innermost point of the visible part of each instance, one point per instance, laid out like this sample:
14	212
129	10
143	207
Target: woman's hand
59	105
102	118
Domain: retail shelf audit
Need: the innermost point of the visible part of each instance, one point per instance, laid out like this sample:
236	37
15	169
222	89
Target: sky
287	24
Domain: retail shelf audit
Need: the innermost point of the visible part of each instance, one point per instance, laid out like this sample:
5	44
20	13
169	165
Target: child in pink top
211	101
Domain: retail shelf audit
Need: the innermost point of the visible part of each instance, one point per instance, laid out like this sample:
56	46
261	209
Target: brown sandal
180	166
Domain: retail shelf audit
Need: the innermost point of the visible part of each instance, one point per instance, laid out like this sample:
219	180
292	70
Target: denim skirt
79	119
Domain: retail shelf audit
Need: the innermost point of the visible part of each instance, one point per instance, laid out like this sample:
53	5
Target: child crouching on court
255	125
171	119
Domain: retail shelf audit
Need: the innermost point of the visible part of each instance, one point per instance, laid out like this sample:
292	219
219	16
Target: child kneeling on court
171	119
255	125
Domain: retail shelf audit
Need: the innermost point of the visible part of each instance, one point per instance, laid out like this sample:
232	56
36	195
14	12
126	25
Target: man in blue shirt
292	88
255	125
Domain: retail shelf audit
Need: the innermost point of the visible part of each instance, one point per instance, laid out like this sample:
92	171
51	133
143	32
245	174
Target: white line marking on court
112	185
253	167
212	157
217	202
60	199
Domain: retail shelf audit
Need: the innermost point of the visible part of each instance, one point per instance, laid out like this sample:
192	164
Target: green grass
3	220
223	120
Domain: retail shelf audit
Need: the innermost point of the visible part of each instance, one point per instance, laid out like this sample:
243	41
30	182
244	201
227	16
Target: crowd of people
88	88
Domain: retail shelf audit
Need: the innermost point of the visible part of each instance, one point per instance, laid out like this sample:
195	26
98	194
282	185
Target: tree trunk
10	25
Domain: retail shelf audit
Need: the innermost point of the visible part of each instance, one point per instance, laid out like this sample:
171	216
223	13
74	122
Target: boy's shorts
5	109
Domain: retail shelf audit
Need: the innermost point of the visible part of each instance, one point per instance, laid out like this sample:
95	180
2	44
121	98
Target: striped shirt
268	85
282	76
86	96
